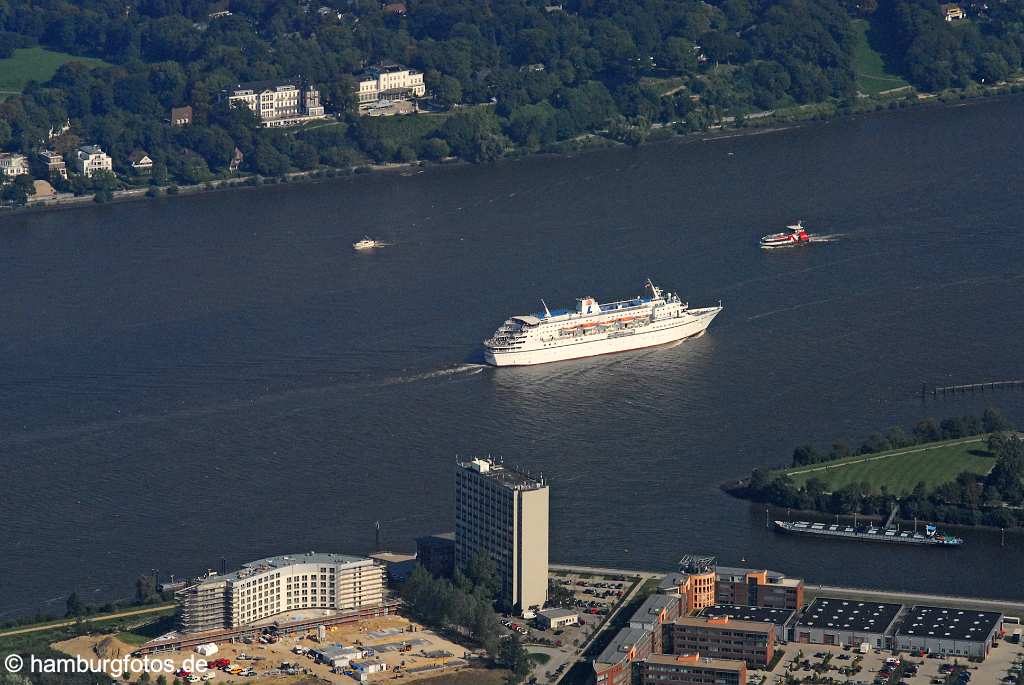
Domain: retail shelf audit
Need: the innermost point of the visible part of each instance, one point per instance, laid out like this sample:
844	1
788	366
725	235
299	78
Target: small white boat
366	243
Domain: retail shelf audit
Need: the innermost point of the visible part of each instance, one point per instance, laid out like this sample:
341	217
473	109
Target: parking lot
593	597
805	662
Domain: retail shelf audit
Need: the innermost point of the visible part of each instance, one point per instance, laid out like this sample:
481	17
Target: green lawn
34	64
872	77
900	470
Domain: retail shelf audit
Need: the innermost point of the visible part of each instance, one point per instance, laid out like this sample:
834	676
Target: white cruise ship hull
661	332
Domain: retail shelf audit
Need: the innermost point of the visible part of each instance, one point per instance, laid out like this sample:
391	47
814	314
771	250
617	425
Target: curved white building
264	588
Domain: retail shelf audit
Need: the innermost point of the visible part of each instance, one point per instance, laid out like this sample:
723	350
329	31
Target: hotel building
504	512
387	84
262	589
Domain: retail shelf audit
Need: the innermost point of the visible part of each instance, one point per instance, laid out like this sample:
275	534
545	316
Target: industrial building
832	621
267	587
722	637
691	669
952	632
784	620
504	512
556	618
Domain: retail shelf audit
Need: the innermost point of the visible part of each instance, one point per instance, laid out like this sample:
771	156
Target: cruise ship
931	535
654	318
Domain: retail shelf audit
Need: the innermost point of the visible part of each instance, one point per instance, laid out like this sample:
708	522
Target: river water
221	376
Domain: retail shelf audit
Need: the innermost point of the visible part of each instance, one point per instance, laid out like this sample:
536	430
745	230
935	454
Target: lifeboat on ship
794	235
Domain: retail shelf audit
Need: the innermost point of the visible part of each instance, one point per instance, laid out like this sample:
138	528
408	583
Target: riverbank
731	127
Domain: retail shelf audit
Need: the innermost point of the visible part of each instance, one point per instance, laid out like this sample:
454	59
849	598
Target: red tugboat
797	235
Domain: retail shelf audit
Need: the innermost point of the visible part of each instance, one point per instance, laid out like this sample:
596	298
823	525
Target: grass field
872	77
900	470
34	64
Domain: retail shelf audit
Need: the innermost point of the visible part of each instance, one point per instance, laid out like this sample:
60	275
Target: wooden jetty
943	390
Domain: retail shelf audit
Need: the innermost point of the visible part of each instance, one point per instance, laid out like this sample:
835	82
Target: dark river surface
222	376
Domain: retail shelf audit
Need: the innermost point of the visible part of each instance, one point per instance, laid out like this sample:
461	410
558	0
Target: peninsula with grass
964	470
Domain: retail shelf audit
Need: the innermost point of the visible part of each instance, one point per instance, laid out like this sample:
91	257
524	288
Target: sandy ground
267	659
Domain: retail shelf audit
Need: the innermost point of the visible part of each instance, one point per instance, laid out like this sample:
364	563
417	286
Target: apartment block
504	512
268	587
278	103
721	637
387	84
55	165
90	159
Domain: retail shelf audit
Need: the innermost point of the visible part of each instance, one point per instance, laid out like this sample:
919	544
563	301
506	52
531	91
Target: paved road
1007	606
840	463
94	619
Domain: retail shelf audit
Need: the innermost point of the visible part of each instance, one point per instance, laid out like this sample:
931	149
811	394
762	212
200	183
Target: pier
944	390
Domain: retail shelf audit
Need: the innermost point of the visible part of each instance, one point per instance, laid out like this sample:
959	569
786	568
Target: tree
482	572
513	656
993	420
75	607
145	590
927	430
805	454
447	91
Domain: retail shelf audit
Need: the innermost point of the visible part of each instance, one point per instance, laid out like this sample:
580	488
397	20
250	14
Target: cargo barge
930	536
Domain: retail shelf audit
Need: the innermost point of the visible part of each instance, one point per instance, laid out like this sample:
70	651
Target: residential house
236	160
952	12
141	162
181	116
55	165
91	158
397	8
13	164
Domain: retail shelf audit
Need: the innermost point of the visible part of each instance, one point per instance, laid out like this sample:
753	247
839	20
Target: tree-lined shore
513	76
